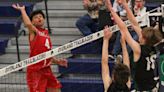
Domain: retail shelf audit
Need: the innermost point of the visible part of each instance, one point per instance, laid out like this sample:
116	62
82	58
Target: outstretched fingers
18	7
107	33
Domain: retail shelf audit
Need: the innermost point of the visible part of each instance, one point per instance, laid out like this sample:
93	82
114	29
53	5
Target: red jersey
39	76
41	43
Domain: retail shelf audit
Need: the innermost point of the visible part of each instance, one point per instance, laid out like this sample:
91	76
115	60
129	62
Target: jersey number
47	44
151	62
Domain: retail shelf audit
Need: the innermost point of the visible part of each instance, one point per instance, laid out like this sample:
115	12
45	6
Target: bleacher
10	22
3	45
84	70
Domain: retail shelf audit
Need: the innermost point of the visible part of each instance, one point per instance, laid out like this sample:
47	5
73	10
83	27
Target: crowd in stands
140	40
98	17
135	49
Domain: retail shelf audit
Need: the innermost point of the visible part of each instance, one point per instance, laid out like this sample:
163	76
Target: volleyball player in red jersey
39	76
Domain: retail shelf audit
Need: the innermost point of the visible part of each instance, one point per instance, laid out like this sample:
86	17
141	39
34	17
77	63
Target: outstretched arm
25	17
124	51
104	62
126	60
123	29
132	18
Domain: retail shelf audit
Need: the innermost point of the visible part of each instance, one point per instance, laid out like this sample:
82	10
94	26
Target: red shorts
40	80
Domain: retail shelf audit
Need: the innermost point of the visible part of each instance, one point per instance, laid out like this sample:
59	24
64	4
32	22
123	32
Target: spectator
88	23
140	10
104	20
117	7
104	17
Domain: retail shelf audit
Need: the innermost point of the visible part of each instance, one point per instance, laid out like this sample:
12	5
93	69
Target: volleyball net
14	78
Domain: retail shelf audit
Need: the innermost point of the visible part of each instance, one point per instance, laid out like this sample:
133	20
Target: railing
47	16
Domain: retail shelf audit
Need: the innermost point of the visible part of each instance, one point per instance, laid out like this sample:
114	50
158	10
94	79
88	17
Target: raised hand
18	7
60	62
108	4
107	33
124	2
63	62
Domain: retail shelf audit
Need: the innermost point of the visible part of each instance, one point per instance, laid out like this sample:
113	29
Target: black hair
35	13
121	74
114	87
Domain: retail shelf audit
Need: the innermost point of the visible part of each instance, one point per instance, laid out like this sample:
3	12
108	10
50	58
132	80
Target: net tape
67	47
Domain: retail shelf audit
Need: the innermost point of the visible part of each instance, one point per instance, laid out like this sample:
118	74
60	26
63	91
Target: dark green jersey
161	68
160	48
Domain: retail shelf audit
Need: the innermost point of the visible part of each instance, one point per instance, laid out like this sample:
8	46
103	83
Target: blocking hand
18	7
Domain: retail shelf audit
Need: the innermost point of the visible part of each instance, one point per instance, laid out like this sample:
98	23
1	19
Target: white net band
69	46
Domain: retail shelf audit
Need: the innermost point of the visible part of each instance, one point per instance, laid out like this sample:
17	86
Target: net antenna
162	10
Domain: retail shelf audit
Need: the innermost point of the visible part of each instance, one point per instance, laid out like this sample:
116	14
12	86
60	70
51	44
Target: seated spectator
140	10
117	7
104	16
88	23
104	19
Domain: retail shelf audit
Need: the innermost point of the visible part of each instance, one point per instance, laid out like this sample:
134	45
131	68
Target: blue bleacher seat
9	26
94	47
3	45
10	21
34	1
81	85
151	6
84	66
6	9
